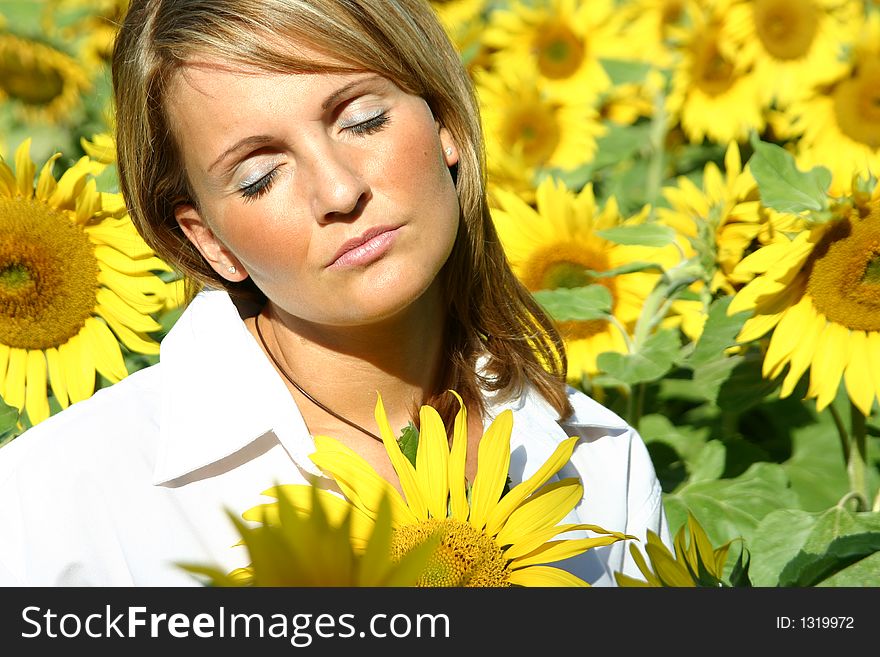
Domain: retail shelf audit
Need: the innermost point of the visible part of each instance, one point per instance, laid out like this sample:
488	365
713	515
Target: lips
366	247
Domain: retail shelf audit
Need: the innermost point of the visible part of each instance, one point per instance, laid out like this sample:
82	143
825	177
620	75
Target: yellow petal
79	368
24	169
105	348
335	506
121	236
4	362
535	539
122	263
88	203
857	377
544	509
493	462
110	303
432	462
46	182
559	550
360	483
873	361
56	376
499	515
545	576
7	180
759	289
69	186
832	354
787	334
16	376
145	293
458	504
802	355
416	500
36	401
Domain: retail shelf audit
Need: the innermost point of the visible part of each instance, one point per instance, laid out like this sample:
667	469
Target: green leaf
620	143
625	71
9	422
409	442
652	361
628	268
782	185
732	508
810	569
719	333
648	234
576	303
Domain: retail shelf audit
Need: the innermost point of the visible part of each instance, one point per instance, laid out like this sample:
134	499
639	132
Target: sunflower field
689	187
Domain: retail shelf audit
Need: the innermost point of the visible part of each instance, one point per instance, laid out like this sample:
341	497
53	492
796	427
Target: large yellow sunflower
555	245
562	41
487	537
75	279
839	128
793	46
43	83
819	293
527	130
654	27
711	95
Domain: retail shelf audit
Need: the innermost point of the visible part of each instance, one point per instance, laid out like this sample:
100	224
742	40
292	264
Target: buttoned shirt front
121	488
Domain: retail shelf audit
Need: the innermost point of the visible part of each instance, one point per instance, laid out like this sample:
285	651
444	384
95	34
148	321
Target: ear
450	148
212	249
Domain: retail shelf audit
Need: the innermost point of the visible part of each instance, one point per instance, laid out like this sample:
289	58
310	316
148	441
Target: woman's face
331	191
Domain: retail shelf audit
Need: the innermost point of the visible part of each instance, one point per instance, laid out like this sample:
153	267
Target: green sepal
409	442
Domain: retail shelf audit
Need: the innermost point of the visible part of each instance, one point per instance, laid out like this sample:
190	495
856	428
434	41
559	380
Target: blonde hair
489	311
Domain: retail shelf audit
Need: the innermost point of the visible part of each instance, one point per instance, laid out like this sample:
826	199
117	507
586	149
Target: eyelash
369	127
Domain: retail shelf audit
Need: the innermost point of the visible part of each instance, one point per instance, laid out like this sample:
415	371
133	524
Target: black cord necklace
305	394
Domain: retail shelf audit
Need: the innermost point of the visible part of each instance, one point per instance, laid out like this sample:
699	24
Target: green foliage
576	303
782	185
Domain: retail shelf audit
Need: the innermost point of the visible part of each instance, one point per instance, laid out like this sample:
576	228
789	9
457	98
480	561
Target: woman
317	167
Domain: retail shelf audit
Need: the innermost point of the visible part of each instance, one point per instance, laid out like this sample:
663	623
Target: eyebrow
261	140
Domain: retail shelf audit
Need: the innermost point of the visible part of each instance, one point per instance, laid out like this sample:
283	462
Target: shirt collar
219	392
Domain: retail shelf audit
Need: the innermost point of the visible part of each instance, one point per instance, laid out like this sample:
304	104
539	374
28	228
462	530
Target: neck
344	367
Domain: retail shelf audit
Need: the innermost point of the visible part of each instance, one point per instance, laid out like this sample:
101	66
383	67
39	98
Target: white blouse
120	488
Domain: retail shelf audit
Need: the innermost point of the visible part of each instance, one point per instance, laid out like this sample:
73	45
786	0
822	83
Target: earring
448	150
231	269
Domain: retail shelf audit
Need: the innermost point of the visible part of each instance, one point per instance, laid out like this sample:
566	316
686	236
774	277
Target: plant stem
841	431
657	138
857	463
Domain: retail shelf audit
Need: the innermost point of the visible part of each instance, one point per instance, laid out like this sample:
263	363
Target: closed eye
256	189
370	126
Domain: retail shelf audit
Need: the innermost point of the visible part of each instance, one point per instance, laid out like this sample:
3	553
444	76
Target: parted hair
496	338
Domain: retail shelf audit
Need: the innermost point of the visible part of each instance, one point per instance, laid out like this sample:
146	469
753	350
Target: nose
338	189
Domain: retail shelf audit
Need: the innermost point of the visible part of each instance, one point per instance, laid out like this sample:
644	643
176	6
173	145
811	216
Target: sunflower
555	245
723	217
465	22
819	293
711	95
562	41
840	127
91	23
653	27
527	130
290	548
44	83
73	272
793	46
486	538
695	562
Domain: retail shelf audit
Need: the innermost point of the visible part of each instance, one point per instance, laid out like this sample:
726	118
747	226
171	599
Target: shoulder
114	420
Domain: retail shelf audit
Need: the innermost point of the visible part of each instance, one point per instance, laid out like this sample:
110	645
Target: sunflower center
465	556
532	129
844	272
857	105
569	265
29	82
786	28
560	51
48	275
712	72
